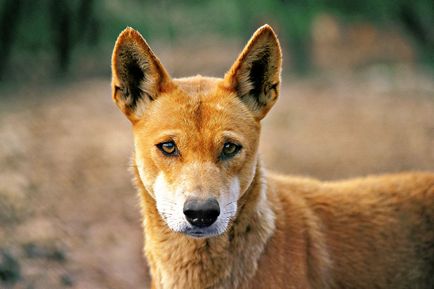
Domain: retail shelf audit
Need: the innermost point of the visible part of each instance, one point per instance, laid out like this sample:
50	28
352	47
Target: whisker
228	213
230	203
165	200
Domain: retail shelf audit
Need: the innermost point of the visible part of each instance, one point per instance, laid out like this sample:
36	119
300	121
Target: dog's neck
225	261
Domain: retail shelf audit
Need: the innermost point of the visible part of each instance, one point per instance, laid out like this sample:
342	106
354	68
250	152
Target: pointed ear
137	74
255	75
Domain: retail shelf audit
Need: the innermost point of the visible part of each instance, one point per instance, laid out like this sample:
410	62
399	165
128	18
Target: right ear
138	77
255	75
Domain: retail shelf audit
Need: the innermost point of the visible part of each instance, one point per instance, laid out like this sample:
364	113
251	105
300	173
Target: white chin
202	232
196	232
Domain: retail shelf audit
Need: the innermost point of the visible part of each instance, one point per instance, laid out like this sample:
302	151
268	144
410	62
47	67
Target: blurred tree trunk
300	49
419	21
9	20
88	23
296	16
60	16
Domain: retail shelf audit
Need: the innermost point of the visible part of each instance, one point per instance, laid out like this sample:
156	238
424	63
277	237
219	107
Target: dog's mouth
201	232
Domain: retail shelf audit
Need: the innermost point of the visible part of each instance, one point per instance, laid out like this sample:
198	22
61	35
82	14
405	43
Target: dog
214	218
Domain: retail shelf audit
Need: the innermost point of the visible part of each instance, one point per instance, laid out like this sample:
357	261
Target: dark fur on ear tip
131	34
264	29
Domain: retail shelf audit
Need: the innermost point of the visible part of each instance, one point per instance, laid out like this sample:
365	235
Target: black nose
201	213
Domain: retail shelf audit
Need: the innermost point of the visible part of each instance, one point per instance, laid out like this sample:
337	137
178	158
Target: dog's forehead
198	85
198	101
199	108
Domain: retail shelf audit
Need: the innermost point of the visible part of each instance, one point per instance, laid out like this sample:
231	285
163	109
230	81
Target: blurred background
357	98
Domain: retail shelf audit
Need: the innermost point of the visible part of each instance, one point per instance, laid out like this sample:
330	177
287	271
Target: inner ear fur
255	75
138	77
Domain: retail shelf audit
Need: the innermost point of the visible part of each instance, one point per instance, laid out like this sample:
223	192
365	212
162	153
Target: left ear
255	75
138	77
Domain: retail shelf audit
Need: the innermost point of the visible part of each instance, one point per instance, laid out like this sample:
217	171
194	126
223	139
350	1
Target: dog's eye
168	148
229	150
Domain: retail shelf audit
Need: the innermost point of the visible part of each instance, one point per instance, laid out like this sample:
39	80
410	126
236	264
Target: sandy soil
69	216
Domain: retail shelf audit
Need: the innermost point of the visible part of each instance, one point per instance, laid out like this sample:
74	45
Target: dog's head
196	138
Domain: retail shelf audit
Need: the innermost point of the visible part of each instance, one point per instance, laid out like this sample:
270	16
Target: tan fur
284	232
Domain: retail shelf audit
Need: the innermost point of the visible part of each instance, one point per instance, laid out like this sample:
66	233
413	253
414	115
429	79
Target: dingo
213	218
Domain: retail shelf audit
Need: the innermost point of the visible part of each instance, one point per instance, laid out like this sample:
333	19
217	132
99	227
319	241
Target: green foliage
60	31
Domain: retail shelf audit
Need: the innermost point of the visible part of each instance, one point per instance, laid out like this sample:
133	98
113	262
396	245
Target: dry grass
69	214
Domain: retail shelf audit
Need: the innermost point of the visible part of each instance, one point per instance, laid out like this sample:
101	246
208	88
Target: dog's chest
191	264
222	263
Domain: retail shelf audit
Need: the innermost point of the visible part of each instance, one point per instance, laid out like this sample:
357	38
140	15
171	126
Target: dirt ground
69	215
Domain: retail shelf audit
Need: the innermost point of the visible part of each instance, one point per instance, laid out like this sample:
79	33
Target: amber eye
168	148
229	150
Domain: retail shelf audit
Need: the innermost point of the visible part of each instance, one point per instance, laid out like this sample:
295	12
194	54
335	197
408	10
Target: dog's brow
172	133
229	134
